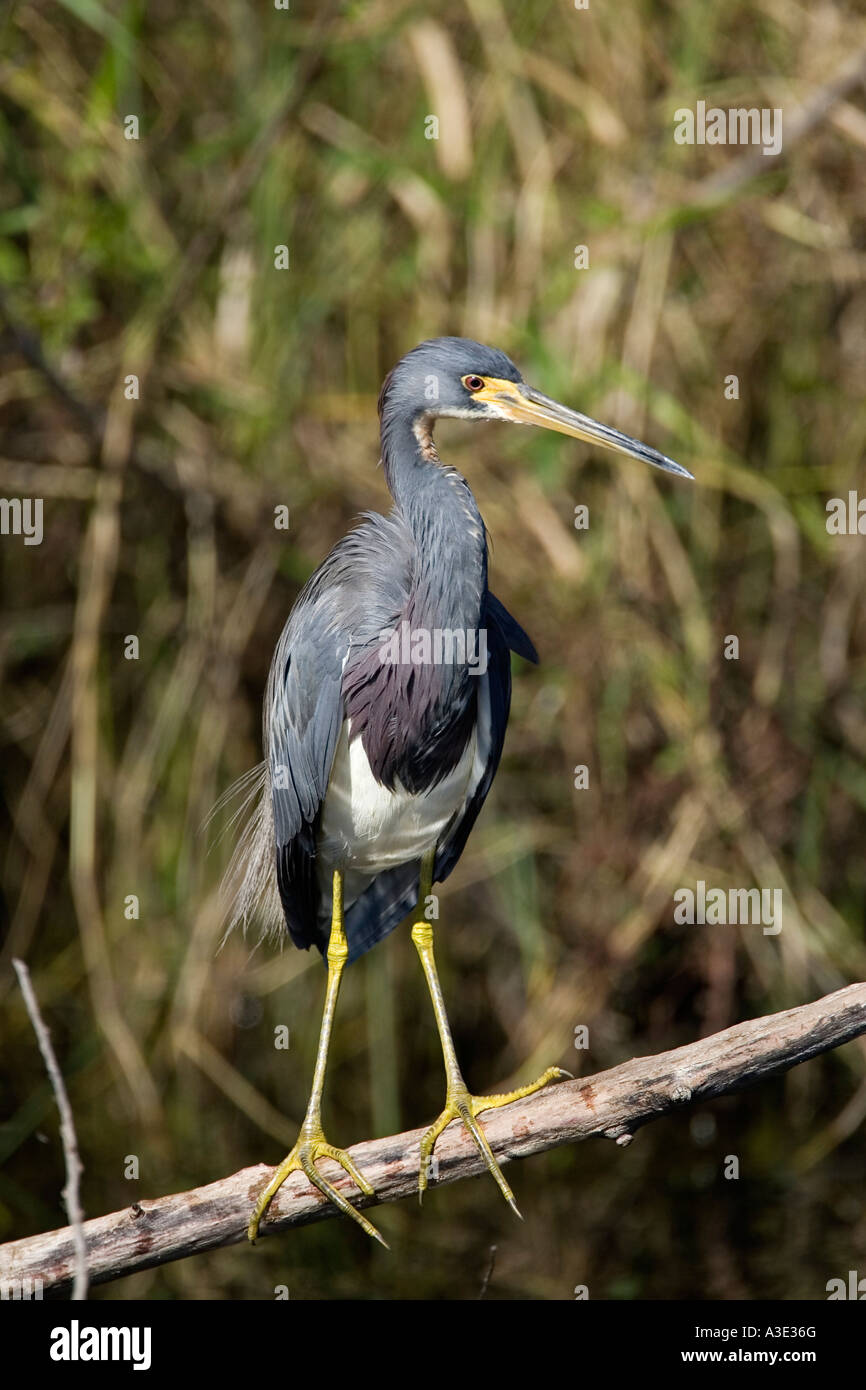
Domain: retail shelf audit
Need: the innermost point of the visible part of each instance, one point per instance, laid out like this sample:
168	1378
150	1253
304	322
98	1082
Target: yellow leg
459	1103
312	1144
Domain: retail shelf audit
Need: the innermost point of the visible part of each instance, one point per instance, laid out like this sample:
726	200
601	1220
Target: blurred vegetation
155	257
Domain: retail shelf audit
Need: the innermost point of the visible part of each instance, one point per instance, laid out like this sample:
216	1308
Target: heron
382	738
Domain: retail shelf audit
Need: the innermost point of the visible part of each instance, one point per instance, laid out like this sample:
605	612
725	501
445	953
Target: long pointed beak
523	404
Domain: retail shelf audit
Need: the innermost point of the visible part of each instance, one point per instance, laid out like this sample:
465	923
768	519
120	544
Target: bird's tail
249	890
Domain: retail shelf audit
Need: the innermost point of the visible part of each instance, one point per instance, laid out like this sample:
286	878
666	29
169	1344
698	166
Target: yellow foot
460	1105
303	1157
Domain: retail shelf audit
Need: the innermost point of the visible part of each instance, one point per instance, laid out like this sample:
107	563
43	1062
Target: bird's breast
370	827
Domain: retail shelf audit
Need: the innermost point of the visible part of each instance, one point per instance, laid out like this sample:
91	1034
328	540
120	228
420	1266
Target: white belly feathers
367	828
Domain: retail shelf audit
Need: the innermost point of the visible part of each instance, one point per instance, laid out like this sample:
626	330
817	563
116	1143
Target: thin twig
613	1104
27	344
488	1273
74	1168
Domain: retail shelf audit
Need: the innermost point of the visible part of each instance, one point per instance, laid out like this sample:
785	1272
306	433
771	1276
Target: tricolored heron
385	717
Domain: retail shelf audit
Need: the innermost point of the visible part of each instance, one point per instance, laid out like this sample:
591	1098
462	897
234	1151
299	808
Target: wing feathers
274	862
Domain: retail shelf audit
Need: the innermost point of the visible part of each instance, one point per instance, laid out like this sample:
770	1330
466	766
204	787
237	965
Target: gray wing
350	598
303	716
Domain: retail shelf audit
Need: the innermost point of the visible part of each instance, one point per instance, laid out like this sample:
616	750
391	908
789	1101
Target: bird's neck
440	511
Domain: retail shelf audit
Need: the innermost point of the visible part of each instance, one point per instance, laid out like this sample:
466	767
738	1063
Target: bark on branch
612	1103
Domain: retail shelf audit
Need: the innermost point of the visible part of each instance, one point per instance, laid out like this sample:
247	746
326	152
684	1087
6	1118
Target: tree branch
613	1104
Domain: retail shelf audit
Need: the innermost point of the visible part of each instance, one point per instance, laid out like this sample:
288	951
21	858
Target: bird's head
457	377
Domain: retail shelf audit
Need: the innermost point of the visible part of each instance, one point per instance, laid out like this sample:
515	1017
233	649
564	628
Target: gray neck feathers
441	513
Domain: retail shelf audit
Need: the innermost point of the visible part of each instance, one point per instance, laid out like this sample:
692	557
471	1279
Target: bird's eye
473	383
